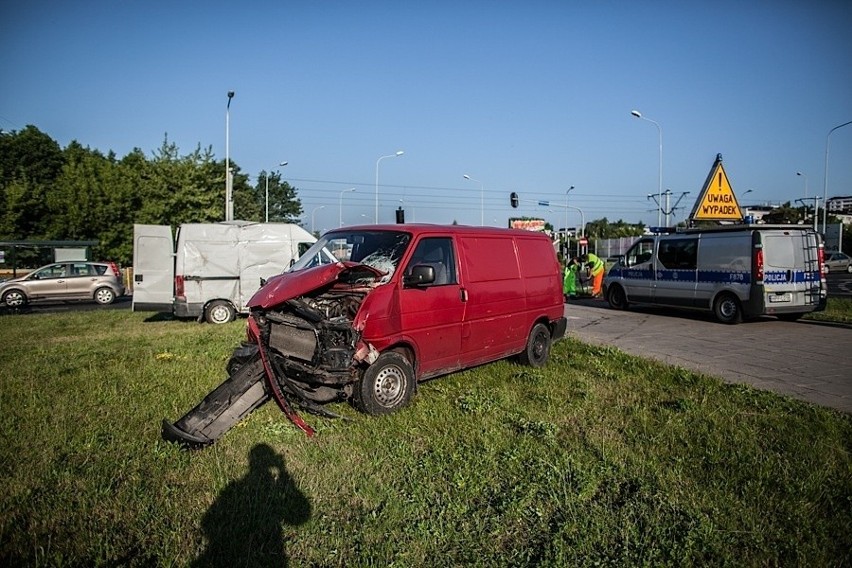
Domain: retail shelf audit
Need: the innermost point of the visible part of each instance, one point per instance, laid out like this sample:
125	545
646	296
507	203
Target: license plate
775	298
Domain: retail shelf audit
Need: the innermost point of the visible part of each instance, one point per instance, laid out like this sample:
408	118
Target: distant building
840	204
757	212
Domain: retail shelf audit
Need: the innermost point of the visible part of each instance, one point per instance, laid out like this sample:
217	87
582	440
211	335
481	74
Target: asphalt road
810	361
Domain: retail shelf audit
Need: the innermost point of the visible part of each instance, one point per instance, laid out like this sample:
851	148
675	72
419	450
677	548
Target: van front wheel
727	309
538	346
616	297
385	386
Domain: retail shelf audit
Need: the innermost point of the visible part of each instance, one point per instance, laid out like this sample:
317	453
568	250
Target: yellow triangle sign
717	201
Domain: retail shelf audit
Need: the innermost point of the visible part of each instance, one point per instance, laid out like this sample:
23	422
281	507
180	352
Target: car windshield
381	250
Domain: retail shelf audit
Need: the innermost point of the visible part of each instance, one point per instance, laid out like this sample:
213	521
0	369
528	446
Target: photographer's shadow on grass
243	527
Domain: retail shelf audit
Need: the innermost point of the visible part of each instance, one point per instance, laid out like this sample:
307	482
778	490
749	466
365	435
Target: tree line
77	193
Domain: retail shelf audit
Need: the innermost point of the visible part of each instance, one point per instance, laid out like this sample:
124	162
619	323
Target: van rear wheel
386	385
538	346
727	309
219	311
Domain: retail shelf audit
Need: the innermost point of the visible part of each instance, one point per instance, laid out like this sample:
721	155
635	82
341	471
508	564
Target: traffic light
513	199
400	216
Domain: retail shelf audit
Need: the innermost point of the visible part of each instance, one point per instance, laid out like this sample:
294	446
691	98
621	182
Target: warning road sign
717	201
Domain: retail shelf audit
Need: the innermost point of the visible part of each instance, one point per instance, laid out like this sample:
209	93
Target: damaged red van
368	312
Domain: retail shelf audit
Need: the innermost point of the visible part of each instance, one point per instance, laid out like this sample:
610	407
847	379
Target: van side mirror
421	275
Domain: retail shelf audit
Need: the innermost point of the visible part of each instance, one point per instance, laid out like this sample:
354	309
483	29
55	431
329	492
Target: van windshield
381	250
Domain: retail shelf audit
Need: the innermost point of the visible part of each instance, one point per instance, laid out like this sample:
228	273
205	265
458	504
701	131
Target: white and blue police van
734	271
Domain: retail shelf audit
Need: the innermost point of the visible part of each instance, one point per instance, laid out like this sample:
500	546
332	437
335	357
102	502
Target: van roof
424	228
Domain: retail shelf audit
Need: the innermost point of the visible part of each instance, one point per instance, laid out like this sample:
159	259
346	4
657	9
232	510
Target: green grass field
598	459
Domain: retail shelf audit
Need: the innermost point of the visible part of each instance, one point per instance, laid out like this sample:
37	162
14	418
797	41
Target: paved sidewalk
806	360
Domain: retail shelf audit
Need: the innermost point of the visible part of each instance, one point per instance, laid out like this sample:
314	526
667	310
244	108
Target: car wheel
104	296
386	385
219	311
727	309
15	299
617	298
538	346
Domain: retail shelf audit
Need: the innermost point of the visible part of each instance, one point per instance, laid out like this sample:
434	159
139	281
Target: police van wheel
538	346
219	311
727	309
617	298
386	385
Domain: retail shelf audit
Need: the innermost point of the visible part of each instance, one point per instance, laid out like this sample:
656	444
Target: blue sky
532	97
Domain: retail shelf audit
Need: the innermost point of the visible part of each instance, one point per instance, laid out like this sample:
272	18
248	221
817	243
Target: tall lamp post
481	199
313	214
638	114
340	206
825	179
282	164
566	210
229	206
396	155
805	201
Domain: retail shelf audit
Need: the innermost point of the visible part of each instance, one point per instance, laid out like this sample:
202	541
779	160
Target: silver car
75	280
838	262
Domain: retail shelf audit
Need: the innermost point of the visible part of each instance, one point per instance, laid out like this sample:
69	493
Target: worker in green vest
569	280
595	266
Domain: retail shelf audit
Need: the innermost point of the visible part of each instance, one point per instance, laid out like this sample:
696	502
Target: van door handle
137	278
463	295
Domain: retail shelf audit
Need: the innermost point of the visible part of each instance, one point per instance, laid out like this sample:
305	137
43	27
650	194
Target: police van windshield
381	250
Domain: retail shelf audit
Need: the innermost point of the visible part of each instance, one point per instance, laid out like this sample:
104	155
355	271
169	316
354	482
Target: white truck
212	269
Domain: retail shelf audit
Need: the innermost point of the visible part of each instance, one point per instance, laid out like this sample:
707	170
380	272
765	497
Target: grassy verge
599	458
838	310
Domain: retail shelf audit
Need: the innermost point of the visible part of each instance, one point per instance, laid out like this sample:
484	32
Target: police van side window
640	253
678	254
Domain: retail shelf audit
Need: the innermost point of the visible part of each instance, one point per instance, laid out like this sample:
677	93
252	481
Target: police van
735	271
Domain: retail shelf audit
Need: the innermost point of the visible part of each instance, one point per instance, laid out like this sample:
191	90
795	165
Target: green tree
786	214
284	205
30	162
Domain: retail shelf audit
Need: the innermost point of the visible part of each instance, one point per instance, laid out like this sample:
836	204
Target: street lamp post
481	199
638	114
566	211
282	164
313	213
805	201
825	179
396	155
229	206
340	206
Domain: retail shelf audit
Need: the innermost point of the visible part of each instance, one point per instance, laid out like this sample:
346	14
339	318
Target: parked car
838	262
73	280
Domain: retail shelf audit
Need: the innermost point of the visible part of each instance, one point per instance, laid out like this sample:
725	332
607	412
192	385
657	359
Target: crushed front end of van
303	349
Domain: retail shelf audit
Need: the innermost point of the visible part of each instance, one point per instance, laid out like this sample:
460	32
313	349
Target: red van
367	312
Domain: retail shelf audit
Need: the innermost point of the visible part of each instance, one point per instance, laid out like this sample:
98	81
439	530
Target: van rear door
791	269
153	268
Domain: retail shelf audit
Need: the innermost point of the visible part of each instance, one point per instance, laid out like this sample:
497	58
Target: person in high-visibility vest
569	281
596	271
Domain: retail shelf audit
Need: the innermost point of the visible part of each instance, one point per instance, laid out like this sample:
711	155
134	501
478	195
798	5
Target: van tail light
179	291
758	265
821	259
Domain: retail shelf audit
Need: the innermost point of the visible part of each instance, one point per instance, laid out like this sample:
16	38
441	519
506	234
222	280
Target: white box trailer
212	269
